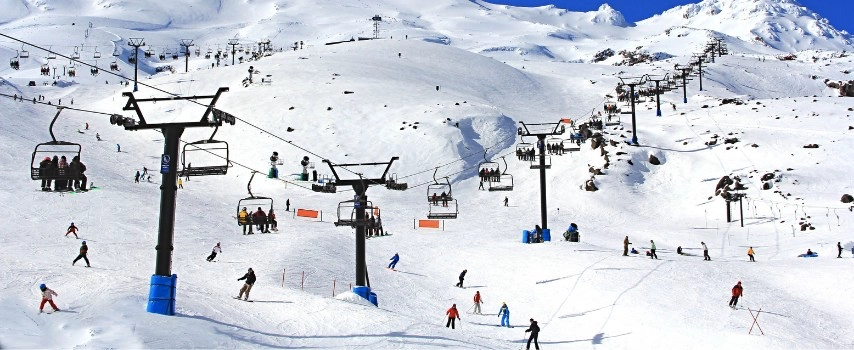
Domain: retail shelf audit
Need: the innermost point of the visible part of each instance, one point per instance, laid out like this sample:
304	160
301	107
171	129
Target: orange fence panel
429	223
308	213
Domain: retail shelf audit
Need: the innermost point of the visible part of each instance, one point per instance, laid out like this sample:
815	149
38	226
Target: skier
180	183
477	302
118	147
737	290
84	249
247	287
839	247
452	314
750	254
244	220
77	170
47	297
98	136
705	252
216	250
626	246
535	331
288	204
45	168
136	177
462	277
394	261
506	201
652	250
271	217
87	124
504	313
144	172
72	229
481	184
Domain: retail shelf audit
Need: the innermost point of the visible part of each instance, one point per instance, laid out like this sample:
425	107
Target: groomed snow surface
582	294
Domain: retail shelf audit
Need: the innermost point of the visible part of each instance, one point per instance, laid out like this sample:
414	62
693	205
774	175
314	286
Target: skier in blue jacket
504	313
394	260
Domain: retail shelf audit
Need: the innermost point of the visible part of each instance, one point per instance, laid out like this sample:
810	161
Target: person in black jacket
77	170
535	331
84	249
247	287
462	277
45	170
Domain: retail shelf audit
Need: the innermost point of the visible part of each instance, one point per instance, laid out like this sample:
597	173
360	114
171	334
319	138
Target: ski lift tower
233	43
161	298
632	83
699	63
360	203
377	19
685	71
186	43
541	131
657	81
136	43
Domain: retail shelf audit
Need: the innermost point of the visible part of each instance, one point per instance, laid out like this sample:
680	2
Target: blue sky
839	12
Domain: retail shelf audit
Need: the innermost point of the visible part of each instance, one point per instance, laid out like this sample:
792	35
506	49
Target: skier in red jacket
452	314
737	290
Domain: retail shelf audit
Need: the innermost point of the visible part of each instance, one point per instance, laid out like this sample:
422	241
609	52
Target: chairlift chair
328	186
506	180
522	148
23	53
97	53
148	52
251	203
208	53
198	52
486	167
76	54
439	188
47	150
451	211
210	157
132	58
175	55
347	213
114	66
116	52
50	54
393	184
14	63
535	162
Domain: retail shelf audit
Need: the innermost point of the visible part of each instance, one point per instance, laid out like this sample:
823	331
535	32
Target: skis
375	236
248	301
389	268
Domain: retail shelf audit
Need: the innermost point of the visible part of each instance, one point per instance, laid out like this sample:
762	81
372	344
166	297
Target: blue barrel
161	295
547	235
373	299
526	235
362	291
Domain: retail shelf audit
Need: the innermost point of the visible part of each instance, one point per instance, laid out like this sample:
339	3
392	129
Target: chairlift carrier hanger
35	171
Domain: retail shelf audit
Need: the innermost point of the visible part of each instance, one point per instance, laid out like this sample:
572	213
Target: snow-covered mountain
784	25
444	89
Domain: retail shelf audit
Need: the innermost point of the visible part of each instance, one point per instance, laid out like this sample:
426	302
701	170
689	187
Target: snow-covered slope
583	294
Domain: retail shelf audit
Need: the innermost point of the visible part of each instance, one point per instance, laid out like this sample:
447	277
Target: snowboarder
247	287
750	254
506	201
839	247
72	229
504	313
535	331
98	136
136	177
679	250
47	297
462	277
216	250
84	249
737	290
477	302
626	246
705	252
394	261
652	250
452	314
